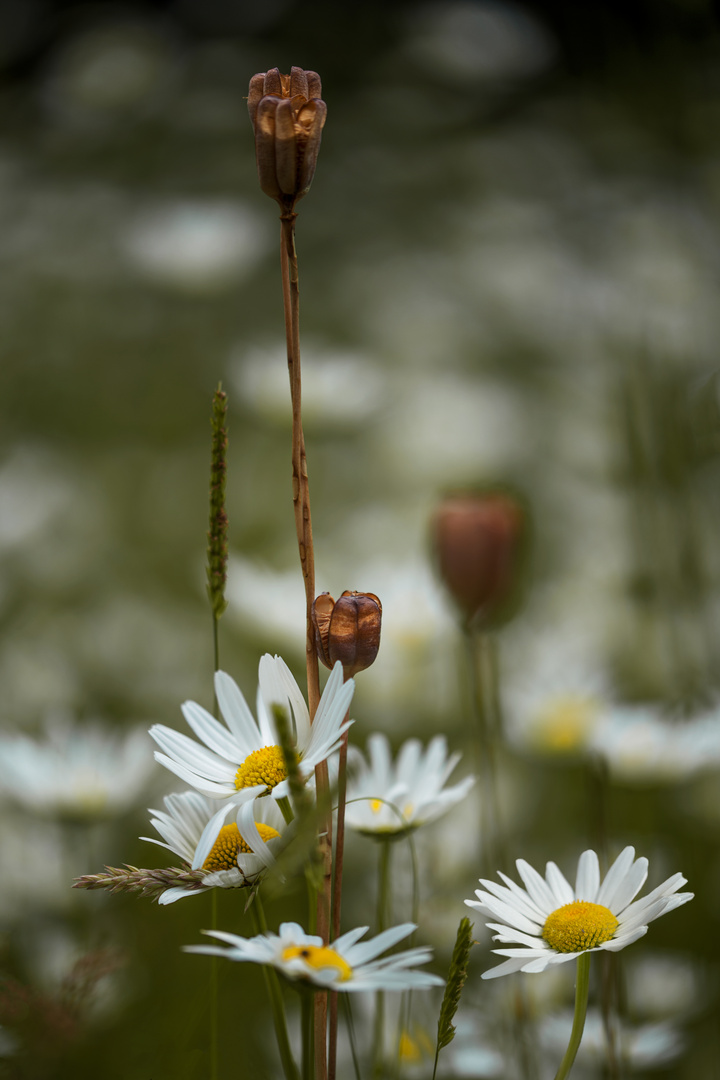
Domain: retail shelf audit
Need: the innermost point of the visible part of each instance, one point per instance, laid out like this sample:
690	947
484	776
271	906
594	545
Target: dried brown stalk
288	115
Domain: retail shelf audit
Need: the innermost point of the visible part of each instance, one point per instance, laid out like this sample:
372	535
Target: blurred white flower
554	704
341	389
233	853
640	745
83	772
479	42
387	798
644	1046
663	985
195	246
347	964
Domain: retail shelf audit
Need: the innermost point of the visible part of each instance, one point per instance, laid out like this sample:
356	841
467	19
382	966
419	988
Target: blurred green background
509	273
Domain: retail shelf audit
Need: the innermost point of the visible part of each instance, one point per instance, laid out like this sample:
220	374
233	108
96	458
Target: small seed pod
480	546
347	630
287	115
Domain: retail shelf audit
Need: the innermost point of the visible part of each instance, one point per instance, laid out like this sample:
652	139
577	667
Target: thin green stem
277	1005
383	904
286	810
582	986
351	1034
307	1001
336	898
216	661
483	698
214	996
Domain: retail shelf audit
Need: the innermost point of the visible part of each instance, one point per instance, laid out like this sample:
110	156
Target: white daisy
81	772
396	797
554	922
233	854
348	964
245	757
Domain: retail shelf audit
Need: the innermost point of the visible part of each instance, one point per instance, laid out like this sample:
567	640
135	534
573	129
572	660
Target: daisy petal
587	881
614	877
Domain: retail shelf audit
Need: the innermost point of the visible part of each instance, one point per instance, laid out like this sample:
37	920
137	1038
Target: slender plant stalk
337	896
581	999
308	1032
383	903
272	984
483	702
303	527
351	1035
214	997
216	571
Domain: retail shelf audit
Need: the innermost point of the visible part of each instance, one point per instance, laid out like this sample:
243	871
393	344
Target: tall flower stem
337	895
303	528
272	984
306	1007
383	905
481	664
582	985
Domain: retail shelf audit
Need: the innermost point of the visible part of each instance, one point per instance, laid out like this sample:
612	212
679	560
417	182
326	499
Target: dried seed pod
480	544
287	115
347	630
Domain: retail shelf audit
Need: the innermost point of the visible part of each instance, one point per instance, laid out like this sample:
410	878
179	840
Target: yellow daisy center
563	724
415	1046
263	766
579	926
230	844
319	956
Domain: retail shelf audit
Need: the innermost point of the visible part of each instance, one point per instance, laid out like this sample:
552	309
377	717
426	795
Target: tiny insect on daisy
244	759
553	923
387	798
347	965
232	854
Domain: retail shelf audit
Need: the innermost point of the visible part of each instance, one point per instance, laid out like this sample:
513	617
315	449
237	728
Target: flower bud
480	543
287	115
347	630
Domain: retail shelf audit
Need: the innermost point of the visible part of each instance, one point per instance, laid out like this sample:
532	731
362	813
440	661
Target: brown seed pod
287	114
347	630
480	543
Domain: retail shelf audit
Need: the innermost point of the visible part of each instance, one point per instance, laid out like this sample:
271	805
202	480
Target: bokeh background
509	274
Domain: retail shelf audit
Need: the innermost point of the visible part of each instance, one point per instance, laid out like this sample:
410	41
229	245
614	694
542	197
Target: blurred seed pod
347	630
287	115
480	545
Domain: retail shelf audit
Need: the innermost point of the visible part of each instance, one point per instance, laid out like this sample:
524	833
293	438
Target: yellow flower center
563	724
263	766
376	806
318	957
579	926
230	844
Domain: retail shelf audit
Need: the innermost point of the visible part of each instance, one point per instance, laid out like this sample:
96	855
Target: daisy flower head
349	964
243	758
549	922
387	798
233	846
